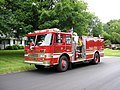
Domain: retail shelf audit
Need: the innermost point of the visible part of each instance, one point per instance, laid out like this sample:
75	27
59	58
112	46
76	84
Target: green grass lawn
110	52
13	61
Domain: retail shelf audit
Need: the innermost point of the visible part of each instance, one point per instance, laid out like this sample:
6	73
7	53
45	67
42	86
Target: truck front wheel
63	64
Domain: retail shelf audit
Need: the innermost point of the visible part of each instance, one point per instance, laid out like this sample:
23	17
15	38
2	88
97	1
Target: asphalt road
104	76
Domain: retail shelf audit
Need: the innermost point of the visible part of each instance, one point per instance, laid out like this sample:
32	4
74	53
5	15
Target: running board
78	60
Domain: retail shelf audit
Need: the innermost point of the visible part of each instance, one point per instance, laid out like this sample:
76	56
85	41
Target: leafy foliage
18	17
21	16
96	27
107	43
112	31
12	18
14	47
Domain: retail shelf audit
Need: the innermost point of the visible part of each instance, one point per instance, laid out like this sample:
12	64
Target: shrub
14	47
9	48
21	47
118	47
18	46
107	43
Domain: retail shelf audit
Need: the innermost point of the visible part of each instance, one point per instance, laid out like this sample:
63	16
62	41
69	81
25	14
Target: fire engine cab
51	47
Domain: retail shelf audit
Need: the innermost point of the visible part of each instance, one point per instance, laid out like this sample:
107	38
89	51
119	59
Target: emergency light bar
48	30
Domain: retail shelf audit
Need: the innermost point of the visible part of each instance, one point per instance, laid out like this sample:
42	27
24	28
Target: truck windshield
44	40
40	40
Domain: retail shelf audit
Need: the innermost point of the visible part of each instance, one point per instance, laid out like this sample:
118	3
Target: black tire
39	67
63	64
96	59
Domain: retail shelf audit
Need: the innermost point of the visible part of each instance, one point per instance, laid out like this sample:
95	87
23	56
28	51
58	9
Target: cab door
59	45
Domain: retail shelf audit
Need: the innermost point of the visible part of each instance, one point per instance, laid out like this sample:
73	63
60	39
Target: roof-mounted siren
37	31
48	30
29	32
53	30
56	29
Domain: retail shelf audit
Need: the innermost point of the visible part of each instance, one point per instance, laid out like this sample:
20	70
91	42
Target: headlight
42	56
48	55
46	62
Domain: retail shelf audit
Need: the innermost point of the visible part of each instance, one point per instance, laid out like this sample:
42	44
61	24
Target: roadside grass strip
110	52
13	61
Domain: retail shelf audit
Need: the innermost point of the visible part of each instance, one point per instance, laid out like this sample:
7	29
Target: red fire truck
51	47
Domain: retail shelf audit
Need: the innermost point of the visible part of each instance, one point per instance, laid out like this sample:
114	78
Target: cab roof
46	31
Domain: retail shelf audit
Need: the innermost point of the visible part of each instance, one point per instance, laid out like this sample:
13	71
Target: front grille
33	55
41	55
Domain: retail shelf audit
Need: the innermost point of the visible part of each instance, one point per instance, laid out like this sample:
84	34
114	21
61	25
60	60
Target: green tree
96	27
65	15
107	43
12	18
115	37
112	28
21	16
107	36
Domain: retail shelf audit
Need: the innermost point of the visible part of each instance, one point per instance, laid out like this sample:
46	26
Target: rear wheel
39	66
63	64
96	59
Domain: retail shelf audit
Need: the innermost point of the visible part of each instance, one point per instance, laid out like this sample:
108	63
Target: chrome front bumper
44	63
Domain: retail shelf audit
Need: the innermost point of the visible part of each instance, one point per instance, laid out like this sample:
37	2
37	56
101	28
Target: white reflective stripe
55	63
62	53
89	53
56	56
93	53
68	50
102	52
26	55
70	55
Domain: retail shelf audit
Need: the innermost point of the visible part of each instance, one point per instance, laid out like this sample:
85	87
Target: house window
13	41
8	41
0	41
20	41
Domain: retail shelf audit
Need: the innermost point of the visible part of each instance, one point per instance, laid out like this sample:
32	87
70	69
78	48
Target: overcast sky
105	9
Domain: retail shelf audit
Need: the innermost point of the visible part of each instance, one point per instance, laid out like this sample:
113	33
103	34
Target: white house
5	41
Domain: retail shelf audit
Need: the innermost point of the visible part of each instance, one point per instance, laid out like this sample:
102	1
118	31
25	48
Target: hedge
14	47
